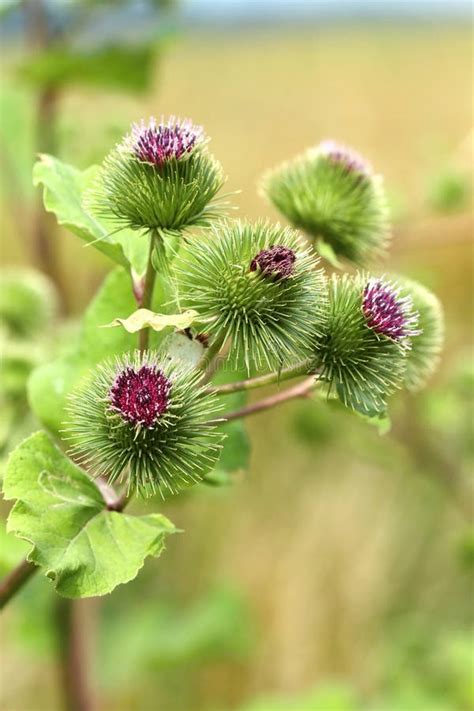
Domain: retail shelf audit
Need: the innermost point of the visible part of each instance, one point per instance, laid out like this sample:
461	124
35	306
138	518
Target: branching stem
260	381
303	389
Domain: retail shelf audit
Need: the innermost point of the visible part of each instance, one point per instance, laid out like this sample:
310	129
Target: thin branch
301	390
260	381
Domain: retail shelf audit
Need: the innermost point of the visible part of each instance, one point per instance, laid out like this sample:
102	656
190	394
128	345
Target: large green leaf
64	189
84	548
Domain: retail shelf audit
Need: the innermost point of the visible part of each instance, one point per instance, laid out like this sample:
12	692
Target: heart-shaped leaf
83	547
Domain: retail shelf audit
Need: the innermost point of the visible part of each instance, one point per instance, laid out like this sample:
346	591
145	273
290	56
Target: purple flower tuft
346	157
387	312
140	396
276	261
158	143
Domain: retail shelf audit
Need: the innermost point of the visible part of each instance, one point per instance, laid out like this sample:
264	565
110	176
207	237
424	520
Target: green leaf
144	318
114	296
120	67
50	384
328	253
48	387
235	456
84	548
64	188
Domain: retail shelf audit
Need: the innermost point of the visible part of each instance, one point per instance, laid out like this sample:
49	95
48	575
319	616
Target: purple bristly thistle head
388	313
157	143
346	157
140	396
276	261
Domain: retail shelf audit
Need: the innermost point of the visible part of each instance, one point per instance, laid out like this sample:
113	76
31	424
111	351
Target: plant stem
210	354
145	301
260	381
301	390
71	655
15	580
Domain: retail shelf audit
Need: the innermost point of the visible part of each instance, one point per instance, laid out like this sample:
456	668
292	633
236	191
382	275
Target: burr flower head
275	262
257	286
160	177
140	396
345	157
387	312
364	366
157	143
331	193
145	419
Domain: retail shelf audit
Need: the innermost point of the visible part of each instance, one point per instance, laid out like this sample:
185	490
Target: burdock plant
220	307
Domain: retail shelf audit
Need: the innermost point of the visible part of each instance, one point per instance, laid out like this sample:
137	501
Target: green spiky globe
356	357
144	419
160	177
257	287
426	347
331	193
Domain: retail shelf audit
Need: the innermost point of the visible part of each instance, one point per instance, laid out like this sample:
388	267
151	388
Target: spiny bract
145	419
364	364
160	177
256	285
331	193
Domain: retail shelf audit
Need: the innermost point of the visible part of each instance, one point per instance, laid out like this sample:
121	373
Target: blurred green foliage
175	639
123	68
449	191
28	310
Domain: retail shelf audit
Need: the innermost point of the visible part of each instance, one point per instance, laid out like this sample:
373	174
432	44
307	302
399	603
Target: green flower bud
256	285
364	350
426	346
331	193
160	177
145	419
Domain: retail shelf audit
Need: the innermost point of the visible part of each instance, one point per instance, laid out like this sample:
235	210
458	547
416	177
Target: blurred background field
335	574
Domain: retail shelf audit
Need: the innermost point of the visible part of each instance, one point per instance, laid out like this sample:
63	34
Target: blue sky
389	4
229	10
